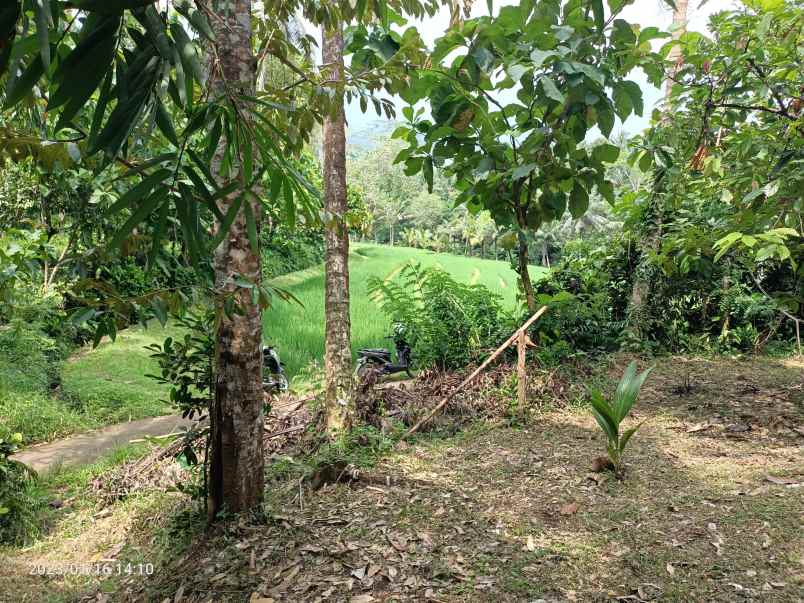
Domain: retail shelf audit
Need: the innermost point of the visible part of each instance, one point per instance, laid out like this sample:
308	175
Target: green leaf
196	19
578	201
622	102
597	11
165	123
155	29
605	117
145	209
634	92
159	307
100	109
82	71
550	89
539	56
226	223
187	52
627	435
9	15
81	315
628	390
606	190
606	153
44	21
590	71
427	170
140	191
158	235
20	86
523	171
603	415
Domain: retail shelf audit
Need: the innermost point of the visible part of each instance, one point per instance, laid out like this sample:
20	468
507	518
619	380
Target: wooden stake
475	373
521	374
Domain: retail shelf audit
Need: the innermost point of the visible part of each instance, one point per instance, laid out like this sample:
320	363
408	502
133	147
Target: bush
284	251
714	307
447	324
28	358
19	504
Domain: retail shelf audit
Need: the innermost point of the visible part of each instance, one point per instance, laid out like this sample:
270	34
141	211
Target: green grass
298	331
98	387
108	384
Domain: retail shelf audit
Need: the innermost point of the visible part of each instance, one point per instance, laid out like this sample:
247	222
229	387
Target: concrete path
88	447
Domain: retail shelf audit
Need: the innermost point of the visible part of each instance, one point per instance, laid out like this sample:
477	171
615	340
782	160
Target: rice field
111	379
298	330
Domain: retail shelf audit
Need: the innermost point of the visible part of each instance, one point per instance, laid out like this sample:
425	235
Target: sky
644	12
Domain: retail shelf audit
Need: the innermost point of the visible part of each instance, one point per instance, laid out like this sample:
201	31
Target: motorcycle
379	359
274	380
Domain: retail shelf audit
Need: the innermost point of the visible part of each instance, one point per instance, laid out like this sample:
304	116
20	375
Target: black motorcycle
379	359
274	380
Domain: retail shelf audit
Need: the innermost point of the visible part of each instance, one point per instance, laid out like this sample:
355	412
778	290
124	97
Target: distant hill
363	135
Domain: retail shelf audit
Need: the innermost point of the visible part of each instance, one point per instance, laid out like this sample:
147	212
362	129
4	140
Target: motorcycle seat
378	351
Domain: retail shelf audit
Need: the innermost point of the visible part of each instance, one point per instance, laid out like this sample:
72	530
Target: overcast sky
645	12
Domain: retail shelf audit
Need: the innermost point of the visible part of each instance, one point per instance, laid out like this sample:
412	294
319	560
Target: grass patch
298	331
109	384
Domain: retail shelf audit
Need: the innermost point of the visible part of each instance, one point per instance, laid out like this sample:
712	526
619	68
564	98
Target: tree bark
524	275
236	418
679	27
337	349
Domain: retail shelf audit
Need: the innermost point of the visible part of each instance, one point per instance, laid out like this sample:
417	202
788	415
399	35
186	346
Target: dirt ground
711	509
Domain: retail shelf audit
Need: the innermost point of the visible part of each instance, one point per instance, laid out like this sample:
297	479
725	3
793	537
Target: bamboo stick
476	372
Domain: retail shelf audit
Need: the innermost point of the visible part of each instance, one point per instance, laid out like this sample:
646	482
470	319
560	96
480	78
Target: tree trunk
524	275
236	419
337	349
391	233
641	289
679	27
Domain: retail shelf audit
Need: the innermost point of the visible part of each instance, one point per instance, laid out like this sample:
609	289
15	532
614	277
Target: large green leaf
165	122
605	117
627	435
628	390
9	15
550	89
20	85
606	153
140	191
578	201
145	209
196	19
44	21
82	71
603	416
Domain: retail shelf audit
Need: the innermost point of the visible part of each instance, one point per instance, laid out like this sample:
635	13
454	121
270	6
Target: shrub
447	324
706	307
19	504
284	251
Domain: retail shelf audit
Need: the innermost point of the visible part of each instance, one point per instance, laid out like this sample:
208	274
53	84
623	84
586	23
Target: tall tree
337	348
654	218
678	28
236	421
522	157
99	70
